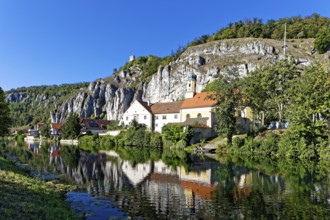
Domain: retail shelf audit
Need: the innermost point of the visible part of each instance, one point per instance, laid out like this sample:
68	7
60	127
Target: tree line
283	93
314	26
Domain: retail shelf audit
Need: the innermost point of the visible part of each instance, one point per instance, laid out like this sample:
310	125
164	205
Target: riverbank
23	197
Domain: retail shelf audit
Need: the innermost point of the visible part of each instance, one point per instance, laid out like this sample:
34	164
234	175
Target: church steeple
191	86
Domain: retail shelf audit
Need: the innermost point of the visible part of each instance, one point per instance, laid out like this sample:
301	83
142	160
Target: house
93	126
195	111
139	111
198	109
55	129
164	113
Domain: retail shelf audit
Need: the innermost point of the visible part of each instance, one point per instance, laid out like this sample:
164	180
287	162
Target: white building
140	112
164	113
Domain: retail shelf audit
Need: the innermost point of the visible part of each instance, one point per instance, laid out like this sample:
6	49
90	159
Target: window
187	116
199	115
164	117
156	125
126	118
156	117
145	117
176	116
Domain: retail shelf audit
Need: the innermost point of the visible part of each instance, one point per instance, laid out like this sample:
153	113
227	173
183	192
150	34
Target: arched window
199	115
187	116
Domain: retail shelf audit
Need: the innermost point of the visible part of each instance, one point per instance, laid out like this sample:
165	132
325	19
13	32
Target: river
130	183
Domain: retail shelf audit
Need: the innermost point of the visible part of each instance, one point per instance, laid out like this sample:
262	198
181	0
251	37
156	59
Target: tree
266	88
322	41
71	128
45	131
229	99
310	103
4	114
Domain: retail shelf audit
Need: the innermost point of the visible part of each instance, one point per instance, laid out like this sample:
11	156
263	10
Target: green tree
322	41
176	133
309	110
4	114
229	98
266	88
71	128
45	131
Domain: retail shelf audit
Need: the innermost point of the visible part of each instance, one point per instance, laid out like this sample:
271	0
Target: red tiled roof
200	100
56	125
166	107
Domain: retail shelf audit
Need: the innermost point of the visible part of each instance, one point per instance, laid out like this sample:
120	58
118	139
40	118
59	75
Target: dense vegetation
137	135
278	93
4	114
39	101
314	26
71	127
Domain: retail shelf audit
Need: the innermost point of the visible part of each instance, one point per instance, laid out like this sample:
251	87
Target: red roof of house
166	107
200	100
56	125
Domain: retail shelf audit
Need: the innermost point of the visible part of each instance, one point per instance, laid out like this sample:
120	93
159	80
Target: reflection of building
136	174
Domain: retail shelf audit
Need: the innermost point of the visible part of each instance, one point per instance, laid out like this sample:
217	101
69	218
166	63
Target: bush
107	142
156	140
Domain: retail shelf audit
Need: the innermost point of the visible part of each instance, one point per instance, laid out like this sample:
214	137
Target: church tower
191	86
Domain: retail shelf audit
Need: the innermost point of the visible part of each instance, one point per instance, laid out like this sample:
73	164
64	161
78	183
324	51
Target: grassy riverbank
23	197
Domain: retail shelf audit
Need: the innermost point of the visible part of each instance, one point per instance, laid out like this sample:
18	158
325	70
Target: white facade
138	112
162	119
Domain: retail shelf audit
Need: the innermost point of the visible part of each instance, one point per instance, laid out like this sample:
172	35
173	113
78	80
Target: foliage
156	140
4	114
297	27
267	88
71	128
148	64
39	100
45	131
176	133
229	99
322	41
114	125
309	108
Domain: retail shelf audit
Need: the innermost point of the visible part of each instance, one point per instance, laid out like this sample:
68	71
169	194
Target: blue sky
46	42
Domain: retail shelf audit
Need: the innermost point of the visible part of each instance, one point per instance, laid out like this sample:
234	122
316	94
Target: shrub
156	140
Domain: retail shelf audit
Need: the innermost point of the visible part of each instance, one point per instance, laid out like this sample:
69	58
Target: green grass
23	197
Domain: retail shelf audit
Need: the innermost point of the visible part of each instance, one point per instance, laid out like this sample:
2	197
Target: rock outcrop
111	97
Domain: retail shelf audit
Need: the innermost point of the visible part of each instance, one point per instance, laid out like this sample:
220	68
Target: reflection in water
177	189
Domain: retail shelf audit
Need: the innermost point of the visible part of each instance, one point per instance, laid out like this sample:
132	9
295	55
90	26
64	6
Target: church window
187	116
199	115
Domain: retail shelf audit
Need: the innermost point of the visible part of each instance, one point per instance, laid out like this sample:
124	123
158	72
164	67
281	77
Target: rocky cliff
110	97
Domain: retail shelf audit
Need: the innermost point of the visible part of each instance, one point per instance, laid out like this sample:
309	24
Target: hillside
155	79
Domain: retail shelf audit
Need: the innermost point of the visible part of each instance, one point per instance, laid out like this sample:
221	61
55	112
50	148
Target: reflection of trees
247	189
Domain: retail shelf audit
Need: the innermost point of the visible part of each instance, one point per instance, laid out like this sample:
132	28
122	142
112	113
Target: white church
196	107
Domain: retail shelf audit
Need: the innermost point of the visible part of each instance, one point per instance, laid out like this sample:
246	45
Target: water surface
170	184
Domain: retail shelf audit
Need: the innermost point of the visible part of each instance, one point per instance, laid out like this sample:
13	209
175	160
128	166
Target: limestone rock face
111	97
